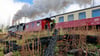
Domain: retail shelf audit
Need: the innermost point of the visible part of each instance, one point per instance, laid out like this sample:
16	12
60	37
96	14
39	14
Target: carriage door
46	25
52	24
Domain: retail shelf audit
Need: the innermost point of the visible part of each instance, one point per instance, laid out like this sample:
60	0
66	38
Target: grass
16	53
1	51
98	46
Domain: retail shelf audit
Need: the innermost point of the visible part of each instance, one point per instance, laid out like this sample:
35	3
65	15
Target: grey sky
8	8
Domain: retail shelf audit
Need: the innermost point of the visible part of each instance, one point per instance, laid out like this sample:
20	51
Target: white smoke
41	7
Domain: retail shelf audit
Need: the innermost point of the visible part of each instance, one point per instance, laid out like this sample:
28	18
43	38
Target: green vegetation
0	30
16	53
70	55
91	47
1	51
98	46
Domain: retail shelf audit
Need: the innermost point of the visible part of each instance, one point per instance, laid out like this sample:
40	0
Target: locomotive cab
48	23
21	27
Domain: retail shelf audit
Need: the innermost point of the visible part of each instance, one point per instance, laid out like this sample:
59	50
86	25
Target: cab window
38	23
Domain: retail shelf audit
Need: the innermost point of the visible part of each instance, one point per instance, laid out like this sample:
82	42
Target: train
71	22
84	17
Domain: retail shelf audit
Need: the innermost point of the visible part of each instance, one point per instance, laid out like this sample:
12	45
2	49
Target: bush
0	30
98	46
16	53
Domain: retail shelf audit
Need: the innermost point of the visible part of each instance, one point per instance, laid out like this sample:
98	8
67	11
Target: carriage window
61	19
38	23
96	13
27	26
82	15
32	24
70	17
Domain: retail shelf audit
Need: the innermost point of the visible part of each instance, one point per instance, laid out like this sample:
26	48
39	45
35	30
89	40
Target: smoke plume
45	6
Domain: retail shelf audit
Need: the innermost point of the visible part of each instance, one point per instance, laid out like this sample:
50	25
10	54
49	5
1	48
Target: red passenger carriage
79	23
38	25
